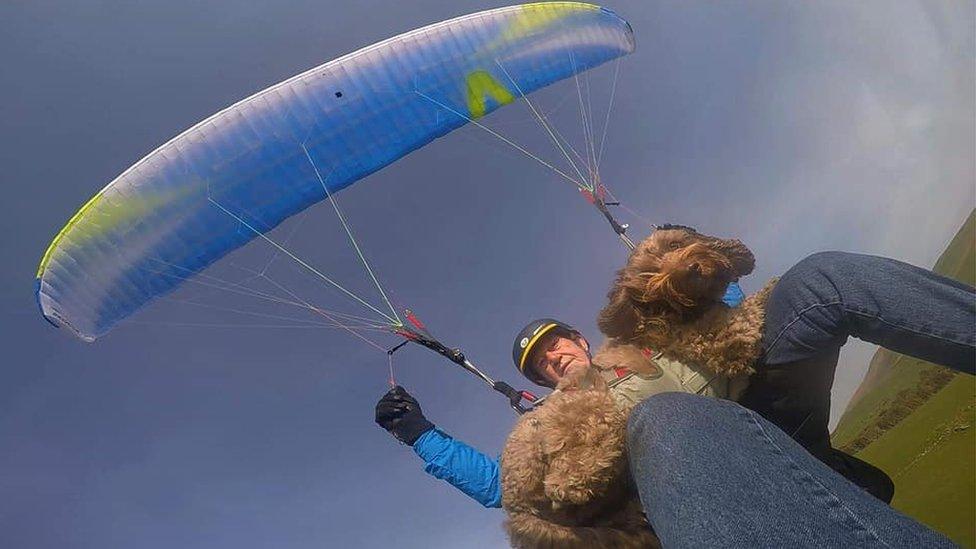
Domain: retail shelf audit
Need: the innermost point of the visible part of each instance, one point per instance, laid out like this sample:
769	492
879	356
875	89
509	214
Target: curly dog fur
565	481
668	298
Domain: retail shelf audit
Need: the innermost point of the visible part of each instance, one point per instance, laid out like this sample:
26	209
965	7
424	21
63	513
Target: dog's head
674	275
567	452
564	473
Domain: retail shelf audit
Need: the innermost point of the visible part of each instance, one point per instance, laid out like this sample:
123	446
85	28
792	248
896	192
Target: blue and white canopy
252	165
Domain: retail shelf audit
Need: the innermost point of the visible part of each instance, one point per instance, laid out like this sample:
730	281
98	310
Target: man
544	351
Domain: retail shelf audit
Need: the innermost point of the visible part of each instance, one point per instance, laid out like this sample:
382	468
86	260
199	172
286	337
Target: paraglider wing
244	170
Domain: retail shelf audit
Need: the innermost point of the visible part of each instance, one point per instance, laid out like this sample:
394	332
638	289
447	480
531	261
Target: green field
916	421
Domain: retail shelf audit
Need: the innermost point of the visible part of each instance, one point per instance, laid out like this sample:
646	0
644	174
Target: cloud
880	126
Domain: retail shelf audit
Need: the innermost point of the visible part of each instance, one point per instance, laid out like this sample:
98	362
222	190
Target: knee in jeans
821	266
823	262
668	414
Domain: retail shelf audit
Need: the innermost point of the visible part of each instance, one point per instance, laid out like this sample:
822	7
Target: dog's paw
615	354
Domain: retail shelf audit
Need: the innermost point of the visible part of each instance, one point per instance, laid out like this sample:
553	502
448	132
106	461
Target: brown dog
669	298
565	480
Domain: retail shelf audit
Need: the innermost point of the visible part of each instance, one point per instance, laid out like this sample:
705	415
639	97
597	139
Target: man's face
558	354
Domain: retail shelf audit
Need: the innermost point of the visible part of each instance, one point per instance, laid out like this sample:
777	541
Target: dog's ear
741	257
620	317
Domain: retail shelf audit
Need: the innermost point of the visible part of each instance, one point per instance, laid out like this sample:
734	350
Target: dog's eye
674	245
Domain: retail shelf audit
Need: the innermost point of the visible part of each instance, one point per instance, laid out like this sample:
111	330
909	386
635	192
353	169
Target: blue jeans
716	474
830	296
711	473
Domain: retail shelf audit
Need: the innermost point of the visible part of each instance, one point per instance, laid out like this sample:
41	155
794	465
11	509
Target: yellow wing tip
64	231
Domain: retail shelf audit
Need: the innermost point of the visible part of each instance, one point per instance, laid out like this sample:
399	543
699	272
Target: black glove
400	414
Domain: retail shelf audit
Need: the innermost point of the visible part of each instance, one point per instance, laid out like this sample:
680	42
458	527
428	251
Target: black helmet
526	340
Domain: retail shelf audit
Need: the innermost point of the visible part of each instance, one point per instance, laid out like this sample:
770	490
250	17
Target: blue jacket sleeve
462	466
733	295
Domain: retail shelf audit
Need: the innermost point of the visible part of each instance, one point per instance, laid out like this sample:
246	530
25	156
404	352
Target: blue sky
796	127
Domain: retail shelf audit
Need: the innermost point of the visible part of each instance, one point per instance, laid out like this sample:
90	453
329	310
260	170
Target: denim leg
829	296
711	473
796	397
